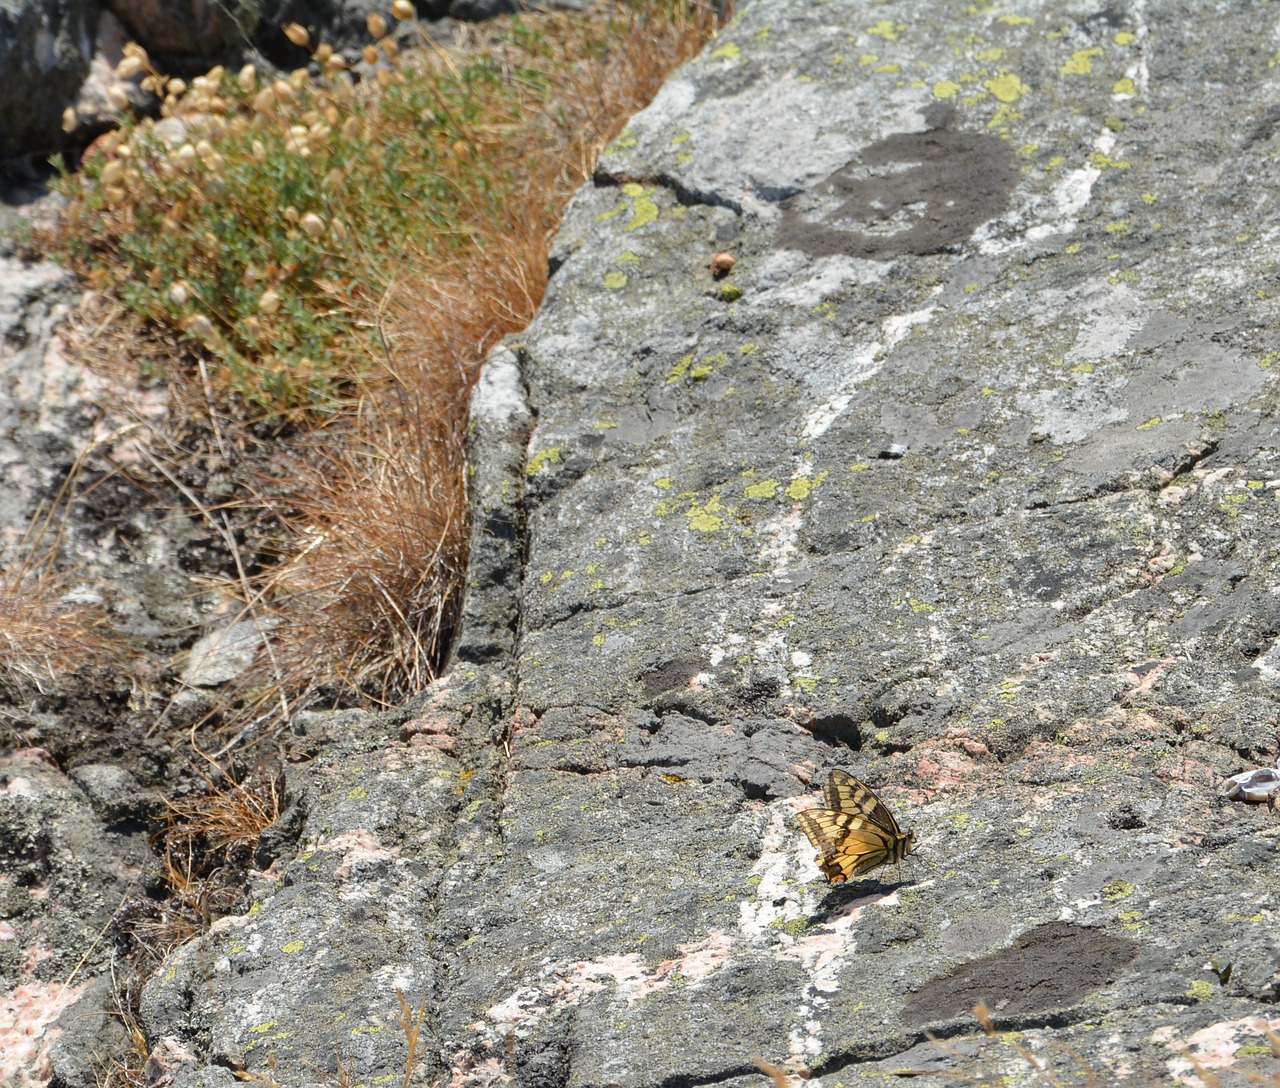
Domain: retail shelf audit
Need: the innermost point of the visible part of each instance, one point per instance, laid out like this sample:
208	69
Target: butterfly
855	833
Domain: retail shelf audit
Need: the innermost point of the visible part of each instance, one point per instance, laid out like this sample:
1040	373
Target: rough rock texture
45	49
964	478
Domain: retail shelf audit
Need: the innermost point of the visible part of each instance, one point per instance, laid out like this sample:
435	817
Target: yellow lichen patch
708	517
989	56
597	640
1124	86
728	51
887	29
293	946
546	577
357	793
627	257
803	486
549	456
749	349
663	483
616	210
1014	20
683	158
861	466
945	88
615	281
1006	87
868	59
1083	368
1100	161
643	209
1125	37
680	369
1080	62
765	489
624	141
807	684
890	68
679	138
1118	226
1073	247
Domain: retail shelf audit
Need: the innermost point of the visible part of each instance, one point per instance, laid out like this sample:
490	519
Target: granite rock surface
964	477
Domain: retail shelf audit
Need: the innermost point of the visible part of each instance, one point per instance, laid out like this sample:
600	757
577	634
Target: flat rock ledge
963	477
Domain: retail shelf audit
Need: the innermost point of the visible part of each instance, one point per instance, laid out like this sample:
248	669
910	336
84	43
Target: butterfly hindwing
855	833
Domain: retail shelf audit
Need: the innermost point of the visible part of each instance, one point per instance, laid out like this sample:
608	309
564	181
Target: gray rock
45	50
63	880
223	654
114	793
968	485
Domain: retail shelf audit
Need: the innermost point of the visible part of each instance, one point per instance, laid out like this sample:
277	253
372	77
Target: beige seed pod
112	173
297	33
284	93
133	49
313	225
389	48
185	157
117	96
176	87
269	303
335	64
323	53
248	78
351	129
69	119
376	23
201	326
370	54
264	100
178	294
128	68
722	264
402	9
259	150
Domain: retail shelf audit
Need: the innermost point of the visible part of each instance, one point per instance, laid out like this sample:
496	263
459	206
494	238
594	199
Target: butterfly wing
844	793
847	844
856	832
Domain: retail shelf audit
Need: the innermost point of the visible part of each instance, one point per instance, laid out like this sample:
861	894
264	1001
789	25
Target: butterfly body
856	832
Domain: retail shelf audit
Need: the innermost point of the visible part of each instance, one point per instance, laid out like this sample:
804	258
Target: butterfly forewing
844	793
855	833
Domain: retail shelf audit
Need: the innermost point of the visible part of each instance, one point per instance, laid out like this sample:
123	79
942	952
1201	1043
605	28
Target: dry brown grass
45	631
370	591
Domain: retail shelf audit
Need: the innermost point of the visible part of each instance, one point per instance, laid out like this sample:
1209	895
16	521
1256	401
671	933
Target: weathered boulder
45	49
965	478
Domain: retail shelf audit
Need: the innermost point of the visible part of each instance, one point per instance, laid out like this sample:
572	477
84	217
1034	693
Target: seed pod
284	93
313	225
176	87
376	23
178	294
370	54
351	129
402	9
322	54
297	33
248	78
112	173
128	68
201	326
117	96
721	264
69	119
269	303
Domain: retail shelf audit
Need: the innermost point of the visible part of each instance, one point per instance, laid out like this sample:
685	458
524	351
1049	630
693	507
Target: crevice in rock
689	198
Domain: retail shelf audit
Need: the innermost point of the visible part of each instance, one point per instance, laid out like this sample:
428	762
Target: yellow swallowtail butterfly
855	833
